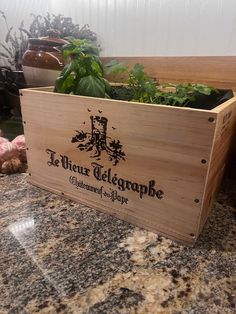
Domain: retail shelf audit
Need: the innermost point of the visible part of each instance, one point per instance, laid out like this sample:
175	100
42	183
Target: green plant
139	86
181	94
142	88
83	74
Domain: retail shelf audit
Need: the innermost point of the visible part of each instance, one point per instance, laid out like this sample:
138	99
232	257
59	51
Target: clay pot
42	62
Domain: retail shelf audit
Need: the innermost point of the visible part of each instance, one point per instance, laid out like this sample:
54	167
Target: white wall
143	27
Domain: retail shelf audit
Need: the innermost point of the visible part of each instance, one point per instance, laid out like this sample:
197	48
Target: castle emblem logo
96	141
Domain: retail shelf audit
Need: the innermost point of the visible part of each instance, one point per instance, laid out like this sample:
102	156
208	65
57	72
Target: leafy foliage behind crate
15	43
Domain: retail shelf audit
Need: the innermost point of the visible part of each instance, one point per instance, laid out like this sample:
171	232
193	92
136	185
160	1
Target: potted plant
16	43
139	151
42	62
14	47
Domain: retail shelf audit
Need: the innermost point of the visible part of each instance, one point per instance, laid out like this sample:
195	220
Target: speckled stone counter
57	256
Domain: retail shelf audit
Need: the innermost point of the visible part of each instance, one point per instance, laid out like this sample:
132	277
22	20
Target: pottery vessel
42	62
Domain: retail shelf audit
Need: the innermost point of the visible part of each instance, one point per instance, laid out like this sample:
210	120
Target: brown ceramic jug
42	62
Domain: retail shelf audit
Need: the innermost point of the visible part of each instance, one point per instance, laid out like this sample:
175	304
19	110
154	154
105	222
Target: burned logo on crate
97	141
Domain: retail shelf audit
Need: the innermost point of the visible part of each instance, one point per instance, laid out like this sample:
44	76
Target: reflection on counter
61	256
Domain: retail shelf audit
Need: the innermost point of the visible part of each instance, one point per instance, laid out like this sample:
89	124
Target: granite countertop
57	256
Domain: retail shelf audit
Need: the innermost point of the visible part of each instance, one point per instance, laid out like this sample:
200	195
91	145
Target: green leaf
79	46
76	51
89	48
107	85
114	68
68	84
68	68
58	84
91	86
97	59
138	71
96	68
67	49
81	71
202	89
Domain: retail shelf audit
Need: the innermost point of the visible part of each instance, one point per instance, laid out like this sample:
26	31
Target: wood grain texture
161	143
224	134
219	72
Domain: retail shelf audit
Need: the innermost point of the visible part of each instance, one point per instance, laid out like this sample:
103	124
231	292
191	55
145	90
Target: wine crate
155	166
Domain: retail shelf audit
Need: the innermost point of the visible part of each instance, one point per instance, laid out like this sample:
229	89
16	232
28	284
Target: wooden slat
216	71
161	143
225	129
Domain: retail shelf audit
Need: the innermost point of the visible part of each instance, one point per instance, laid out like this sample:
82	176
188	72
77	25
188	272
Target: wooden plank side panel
163	149
216	71
225	130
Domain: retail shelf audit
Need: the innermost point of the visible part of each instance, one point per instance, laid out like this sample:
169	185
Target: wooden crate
155	166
